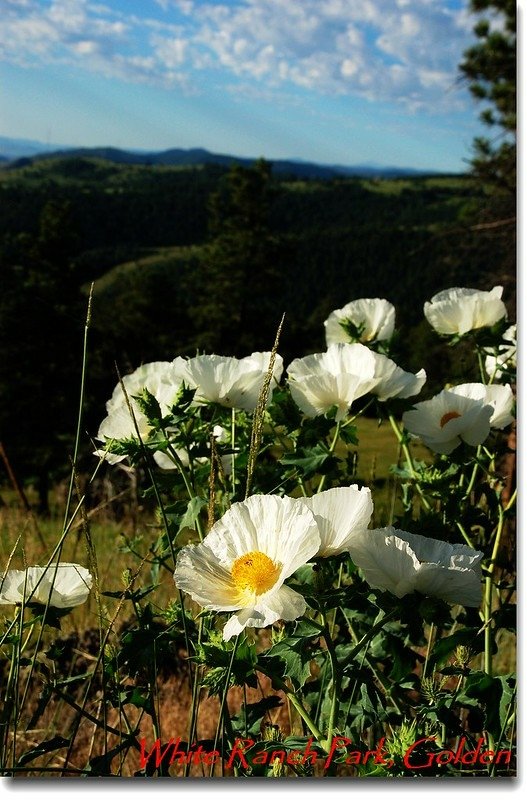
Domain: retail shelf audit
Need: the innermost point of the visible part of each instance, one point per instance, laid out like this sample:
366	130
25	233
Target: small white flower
159	377
242	563
504	358
392	381
499	397
403	562
340	514
369	319
231	382
64	585
163	379
448	419
458	311
337	377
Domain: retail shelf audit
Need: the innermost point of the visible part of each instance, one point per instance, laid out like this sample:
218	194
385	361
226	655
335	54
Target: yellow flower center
447	417
255	572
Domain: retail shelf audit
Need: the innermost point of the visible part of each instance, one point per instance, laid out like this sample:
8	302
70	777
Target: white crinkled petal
309	365
260	363
477	425
231	382
317	394
119	424
340	514
352	359
151	376
392	381
12	586
408	562
164	461
284	604
500	398
452	584
199	573
387	561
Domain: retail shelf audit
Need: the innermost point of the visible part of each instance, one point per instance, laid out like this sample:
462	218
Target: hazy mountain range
17	152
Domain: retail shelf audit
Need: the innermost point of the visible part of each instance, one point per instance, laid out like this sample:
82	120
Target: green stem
465	535
297	705
195	698
487	601
481	364
81	407
331	450
428	649
336	685
409	460
223	701
473	476
233	455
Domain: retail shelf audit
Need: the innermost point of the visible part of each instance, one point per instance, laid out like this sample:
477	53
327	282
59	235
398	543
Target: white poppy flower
337	377
458	311
369	319
392	381
403	563
64	585
340	514
499	397
231	382
242	563
159	377
505	357
163	379
448	419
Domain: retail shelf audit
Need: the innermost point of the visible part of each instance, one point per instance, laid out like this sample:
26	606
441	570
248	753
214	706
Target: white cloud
401	51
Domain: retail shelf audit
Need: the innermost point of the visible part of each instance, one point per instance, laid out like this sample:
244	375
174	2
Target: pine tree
490	68
237	289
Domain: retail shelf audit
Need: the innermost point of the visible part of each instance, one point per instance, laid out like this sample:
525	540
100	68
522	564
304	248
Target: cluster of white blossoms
61	585
242	564
318	382
227	381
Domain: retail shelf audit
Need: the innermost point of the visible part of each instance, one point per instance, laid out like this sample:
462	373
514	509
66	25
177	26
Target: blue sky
333	81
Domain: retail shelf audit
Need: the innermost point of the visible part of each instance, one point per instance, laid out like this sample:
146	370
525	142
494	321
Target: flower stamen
447	417
255	572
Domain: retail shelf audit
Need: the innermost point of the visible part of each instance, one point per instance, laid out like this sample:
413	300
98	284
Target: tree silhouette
490	68
236	291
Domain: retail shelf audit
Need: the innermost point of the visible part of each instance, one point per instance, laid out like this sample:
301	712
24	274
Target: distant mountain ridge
16	153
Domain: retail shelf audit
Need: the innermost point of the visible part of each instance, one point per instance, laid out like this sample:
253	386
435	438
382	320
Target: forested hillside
209	258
